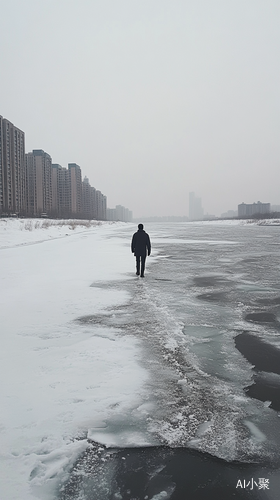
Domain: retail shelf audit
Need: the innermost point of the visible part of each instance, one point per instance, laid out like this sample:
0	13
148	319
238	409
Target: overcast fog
152	98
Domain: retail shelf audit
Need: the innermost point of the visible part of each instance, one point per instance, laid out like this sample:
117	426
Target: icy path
59	377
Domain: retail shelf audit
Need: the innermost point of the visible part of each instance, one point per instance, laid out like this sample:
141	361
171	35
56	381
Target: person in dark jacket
140	245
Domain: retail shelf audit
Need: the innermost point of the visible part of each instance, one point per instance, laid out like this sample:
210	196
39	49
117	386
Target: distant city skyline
153	99
30	184
199	208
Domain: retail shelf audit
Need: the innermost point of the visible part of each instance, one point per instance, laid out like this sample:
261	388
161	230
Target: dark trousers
143	259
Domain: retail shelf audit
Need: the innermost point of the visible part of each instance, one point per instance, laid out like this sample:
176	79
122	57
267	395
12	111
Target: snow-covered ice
90	352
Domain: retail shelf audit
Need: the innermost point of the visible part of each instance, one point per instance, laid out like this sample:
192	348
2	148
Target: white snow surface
60	378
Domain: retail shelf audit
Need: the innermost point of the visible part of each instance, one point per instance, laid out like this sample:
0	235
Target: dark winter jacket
140	243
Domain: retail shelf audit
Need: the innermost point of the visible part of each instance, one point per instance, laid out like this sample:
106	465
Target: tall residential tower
38	183
12	168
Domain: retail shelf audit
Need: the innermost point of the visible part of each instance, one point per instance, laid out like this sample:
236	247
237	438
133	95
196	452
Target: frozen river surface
208	316
201	293
188	397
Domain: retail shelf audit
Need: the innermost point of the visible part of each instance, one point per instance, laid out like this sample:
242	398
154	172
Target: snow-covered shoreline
15	232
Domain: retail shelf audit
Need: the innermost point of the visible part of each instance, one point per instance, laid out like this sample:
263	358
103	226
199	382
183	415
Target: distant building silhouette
119	213
195	207
229	214
246	210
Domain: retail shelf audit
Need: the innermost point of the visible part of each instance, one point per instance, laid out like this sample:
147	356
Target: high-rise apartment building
101	205
89	200
12	168
75	187
38	183
60	191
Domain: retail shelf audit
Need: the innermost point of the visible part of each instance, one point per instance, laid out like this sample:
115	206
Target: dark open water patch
265	388
265	358
162	473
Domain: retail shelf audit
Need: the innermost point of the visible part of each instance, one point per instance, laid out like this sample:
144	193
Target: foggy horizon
152	100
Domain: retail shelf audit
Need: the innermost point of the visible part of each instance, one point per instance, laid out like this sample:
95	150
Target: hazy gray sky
152	98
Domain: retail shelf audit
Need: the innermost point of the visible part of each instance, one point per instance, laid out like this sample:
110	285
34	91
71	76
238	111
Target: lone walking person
140	245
